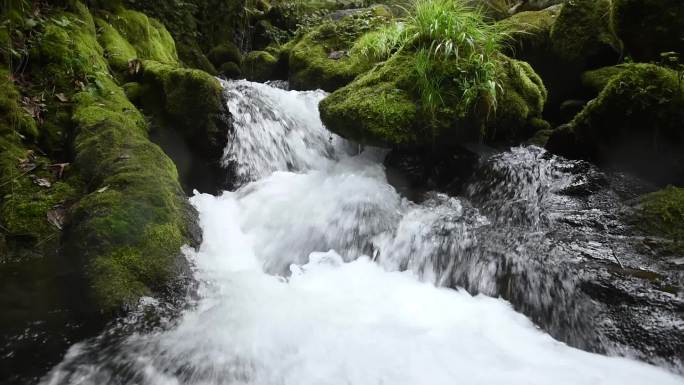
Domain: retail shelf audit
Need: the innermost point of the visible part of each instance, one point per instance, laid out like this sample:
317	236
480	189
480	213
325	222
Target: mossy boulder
127	35
190	111
261	66
378	108
225	53
320	60
561	42
382	108
197	26
125	230
649	27
583	34
596	80
634	124
230	70
661	213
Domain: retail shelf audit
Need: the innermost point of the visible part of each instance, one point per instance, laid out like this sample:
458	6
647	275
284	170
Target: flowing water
314	270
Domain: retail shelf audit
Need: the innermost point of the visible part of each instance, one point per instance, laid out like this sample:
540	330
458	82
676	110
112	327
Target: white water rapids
301	281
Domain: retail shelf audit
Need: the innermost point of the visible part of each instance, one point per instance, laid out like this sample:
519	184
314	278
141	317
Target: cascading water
316	271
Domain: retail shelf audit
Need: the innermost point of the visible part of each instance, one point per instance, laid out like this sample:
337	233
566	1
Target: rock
415	172
536	5
261	66
337	55
310	64
560	43
596	80
225	53
661	214
570	108
126	214
381	108
196	27
634	124
230	70
649	27
191	121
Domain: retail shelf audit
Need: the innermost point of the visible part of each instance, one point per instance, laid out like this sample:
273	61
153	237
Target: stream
315	270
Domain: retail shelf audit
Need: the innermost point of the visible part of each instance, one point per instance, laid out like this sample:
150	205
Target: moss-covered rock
382	108
520	106
127	35
377	108
596	80
189	103
662	214
260	66
561	42
649	27
230	70
131	197
320	60
225	53
634	124
531	30
583	34
198	26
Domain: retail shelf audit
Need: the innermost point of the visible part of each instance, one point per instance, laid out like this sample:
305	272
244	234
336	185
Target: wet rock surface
555	240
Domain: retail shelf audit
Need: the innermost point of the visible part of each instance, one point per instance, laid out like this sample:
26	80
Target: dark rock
413	172
570	108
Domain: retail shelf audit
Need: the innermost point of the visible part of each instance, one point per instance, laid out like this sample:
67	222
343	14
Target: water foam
322	274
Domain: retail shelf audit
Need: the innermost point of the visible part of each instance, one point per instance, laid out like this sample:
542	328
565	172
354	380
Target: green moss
521	103
117	49
230	70
13	119
662	214
225	53
134	189
649	27
133	91
375	109
310	62
582	32
597	80
189	104
148	36
635	124
197	26
131	196
382	107
24	205
531	29
260	66
191	99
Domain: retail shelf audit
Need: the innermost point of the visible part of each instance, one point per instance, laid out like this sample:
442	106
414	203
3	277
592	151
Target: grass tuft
456	52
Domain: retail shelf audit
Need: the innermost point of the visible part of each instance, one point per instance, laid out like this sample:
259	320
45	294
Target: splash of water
316	271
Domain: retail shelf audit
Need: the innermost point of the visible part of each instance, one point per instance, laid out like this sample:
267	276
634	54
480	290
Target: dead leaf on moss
58	169
42	182
103	189
62	98
56	216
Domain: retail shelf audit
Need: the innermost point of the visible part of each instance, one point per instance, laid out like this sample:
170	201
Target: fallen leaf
58	169
56	216
42	182
27	167
62	98
103	189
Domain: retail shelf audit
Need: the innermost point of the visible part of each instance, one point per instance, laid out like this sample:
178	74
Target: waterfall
314	270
